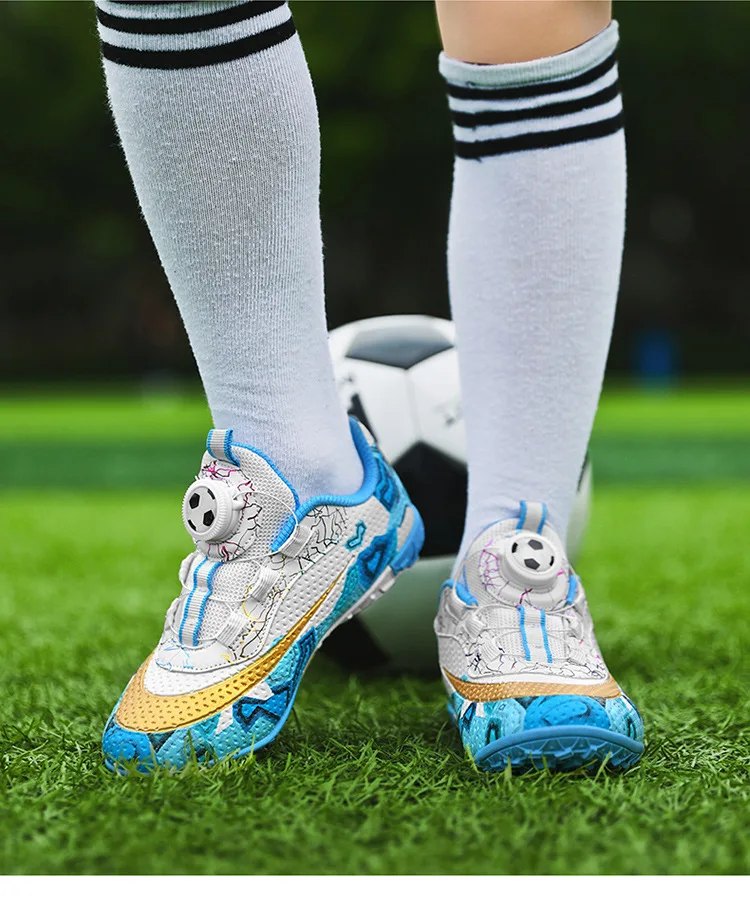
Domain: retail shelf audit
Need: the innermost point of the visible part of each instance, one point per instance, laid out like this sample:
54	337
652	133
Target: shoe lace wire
265	576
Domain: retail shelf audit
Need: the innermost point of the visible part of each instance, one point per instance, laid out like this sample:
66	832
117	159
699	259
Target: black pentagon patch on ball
194	500
583	472
532	564
535	544
514	547
211	494
423	469
358	411
354	648
208	518
398	345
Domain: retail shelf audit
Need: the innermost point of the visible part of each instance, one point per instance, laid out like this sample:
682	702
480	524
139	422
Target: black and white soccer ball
200	509
535	555
398	375
210	511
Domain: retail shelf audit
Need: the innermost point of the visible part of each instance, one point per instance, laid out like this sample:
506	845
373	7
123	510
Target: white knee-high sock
217	117
534	252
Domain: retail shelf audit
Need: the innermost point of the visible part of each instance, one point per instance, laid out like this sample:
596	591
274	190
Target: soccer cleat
270	577
527	686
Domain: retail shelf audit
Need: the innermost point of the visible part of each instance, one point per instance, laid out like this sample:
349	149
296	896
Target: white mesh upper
292	583
511	630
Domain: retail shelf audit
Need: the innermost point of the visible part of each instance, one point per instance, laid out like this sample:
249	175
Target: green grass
153	440
105	415
368	776
155	415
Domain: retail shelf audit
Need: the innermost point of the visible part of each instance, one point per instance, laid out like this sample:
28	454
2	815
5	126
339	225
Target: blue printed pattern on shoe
274	597
526	682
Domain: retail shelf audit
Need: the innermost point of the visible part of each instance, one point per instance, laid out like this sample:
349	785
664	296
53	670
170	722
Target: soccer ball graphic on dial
399	376
209	511
535	555
200	512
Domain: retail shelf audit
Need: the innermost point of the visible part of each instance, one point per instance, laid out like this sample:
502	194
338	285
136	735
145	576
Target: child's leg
534	255
535	241
515	31
216	113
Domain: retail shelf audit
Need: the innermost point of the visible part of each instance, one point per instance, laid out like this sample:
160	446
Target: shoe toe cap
483	724
543	712
124	747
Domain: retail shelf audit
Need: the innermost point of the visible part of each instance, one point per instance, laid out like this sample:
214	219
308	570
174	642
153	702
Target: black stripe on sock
536	90
203	56
535	140
556	109
186	24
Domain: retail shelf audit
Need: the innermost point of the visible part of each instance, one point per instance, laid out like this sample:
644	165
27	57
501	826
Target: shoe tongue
518	561
269	499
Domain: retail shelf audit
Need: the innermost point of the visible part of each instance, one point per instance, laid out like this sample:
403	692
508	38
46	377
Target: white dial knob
532	561
210	511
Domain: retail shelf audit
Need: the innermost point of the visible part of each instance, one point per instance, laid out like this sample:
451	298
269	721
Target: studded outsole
560	748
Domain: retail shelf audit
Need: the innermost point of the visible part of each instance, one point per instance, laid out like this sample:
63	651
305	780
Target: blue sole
560	748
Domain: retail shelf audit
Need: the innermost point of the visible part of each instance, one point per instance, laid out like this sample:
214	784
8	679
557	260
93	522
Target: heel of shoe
409	551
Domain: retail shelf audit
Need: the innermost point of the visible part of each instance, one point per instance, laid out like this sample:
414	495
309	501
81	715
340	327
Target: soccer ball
399	376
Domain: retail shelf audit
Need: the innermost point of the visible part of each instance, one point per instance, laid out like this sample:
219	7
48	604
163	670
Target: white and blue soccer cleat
527	685
270	577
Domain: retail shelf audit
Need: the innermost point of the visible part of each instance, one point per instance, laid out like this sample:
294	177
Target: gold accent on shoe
506	690
140	710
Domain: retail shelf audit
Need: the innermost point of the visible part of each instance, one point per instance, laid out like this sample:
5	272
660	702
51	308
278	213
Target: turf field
368	776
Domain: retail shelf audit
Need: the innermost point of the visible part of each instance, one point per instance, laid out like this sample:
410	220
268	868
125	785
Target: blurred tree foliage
82	294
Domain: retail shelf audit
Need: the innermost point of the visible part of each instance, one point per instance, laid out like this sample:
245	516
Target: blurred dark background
83	296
